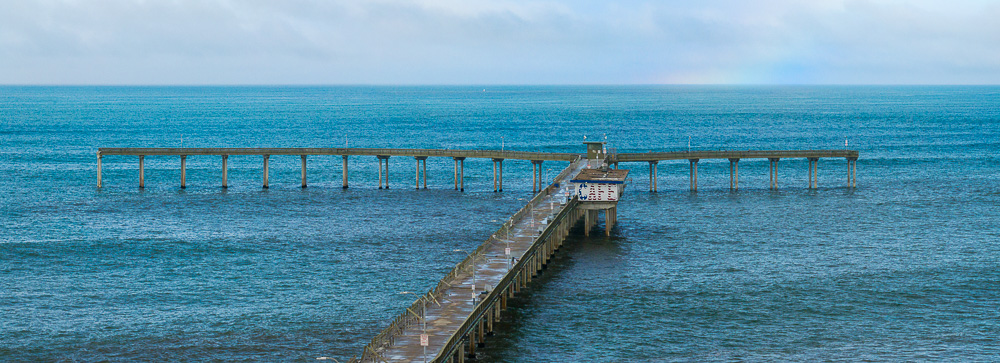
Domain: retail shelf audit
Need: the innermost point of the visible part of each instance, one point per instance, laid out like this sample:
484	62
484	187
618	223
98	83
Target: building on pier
599	189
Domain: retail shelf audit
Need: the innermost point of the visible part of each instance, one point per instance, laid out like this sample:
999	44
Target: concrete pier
734	173
652	158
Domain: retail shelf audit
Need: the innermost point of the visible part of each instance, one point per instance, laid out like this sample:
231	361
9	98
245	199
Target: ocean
905	267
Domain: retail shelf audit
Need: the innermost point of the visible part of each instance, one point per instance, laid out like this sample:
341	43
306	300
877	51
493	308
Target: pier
382	156
452	320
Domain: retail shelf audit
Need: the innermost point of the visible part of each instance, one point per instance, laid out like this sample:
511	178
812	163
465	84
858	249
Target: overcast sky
499	42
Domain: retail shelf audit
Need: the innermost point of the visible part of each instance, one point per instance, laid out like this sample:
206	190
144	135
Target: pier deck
470	299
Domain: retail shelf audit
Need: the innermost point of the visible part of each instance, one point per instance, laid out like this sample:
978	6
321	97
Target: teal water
905	267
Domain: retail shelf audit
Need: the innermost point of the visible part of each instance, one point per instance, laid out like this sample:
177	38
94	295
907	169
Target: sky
403	42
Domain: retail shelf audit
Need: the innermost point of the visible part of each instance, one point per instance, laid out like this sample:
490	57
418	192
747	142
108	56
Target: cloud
477	41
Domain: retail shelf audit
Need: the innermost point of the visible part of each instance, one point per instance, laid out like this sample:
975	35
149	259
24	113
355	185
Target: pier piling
183	171
100	184
266	167
694	174
142	171
303	171
734	173
225	171
774	172
345	171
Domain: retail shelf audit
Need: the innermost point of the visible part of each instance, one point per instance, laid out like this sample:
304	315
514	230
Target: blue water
905	267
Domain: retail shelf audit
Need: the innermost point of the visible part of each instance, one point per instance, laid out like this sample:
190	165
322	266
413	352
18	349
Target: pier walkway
456	315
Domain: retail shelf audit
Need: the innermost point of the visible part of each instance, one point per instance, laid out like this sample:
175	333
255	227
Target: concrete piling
266	171
461	174
694	174
774	172
303	171
225	171
183	171
100	184
142	171
652	176
813	175
734	174
345	171
381	159
852	172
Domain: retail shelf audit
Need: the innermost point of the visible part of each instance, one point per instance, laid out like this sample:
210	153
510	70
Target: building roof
612	176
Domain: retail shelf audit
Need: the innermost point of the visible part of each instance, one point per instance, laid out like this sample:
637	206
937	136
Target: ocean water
906	267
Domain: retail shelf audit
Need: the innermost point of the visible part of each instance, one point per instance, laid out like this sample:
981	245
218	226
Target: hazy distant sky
499	42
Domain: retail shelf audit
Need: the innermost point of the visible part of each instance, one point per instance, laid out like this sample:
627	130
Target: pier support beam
461	173
652	175
303	171
774	172
345	171
142	171
813	175
99	181
225	171
694	174
183	171
497	175
536	166
382	158
852	172
610	219
534	177
734	174
423	160
266	171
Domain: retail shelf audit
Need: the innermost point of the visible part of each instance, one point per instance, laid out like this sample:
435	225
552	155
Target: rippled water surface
905	267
